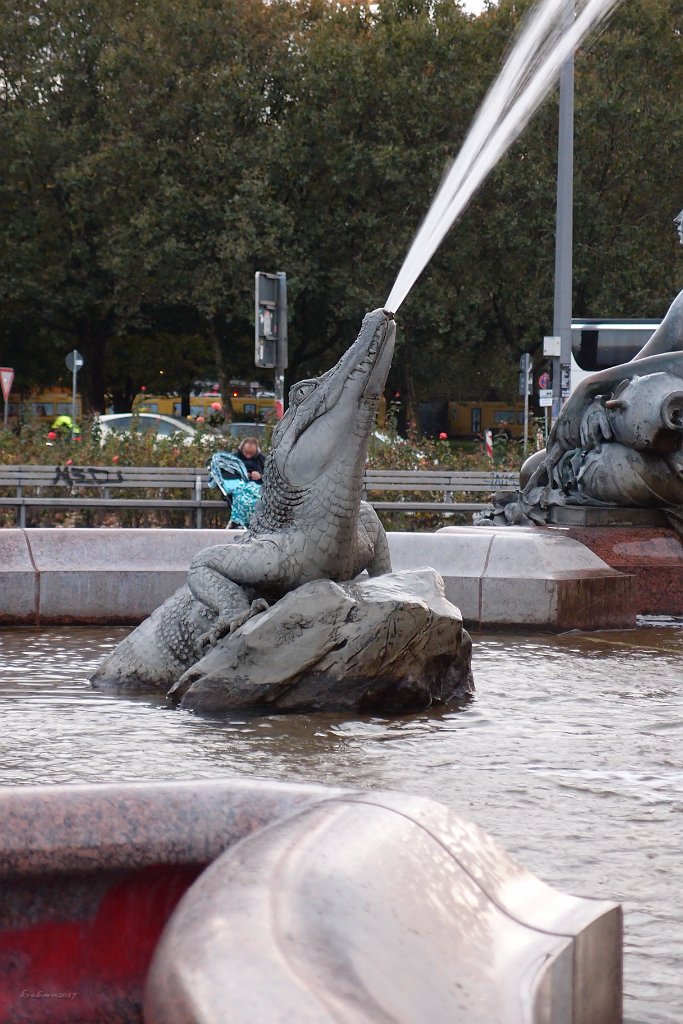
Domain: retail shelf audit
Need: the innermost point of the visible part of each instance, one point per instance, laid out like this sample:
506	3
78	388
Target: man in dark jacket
253	458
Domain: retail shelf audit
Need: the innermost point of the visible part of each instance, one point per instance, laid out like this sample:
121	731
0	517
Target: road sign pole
527	369
74	373
4	418
74	361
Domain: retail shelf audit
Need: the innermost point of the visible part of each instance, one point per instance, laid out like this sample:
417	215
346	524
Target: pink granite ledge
135	824
90	875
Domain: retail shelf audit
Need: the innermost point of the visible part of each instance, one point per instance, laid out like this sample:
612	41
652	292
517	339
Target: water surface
570	755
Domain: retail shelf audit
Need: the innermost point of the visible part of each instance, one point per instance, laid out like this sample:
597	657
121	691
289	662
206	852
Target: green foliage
30	445
155	155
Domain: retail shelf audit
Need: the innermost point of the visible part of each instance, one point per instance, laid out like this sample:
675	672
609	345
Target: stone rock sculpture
618	440
310	525
393	642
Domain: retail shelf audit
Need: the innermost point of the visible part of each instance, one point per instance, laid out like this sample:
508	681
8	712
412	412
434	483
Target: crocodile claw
224	626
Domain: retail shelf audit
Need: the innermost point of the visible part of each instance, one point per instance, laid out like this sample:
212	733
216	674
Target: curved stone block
377	908
321	904
538	577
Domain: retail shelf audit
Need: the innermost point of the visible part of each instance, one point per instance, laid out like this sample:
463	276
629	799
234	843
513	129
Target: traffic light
271	320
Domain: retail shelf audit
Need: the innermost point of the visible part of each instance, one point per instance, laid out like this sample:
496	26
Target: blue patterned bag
228	473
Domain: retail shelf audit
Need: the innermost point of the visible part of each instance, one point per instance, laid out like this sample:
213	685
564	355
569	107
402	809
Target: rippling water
571	755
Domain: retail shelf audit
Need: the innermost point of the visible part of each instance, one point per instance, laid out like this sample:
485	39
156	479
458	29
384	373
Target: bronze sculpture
618	440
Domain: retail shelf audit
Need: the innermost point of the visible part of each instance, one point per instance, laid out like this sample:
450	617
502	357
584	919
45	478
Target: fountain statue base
651	555
605	515
391	643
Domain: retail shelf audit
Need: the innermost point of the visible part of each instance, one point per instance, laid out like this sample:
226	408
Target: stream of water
529	73
570	755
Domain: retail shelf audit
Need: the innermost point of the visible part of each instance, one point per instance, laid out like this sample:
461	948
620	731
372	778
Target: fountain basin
296	902
534	578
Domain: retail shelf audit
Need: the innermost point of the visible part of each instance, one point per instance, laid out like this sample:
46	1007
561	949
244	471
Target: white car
148	422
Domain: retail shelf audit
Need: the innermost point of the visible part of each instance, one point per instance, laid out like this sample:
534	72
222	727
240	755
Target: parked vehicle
143	423
468	420
44	405
257	407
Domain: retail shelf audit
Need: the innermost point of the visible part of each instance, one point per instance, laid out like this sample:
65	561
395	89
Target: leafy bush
30	446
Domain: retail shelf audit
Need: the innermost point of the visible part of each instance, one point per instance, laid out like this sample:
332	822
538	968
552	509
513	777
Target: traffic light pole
271	330
281	347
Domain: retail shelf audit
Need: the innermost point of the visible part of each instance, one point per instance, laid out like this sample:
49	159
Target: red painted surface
654	555
70	968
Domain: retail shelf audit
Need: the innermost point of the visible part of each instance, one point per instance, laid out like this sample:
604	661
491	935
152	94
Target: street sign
544	382
545	397
565	379
6	378
74	361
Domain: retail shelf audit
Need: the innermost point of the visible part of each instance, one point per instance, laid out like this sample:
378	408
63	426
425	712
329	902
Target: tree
135	178
628	142
158	154
194	97
53	278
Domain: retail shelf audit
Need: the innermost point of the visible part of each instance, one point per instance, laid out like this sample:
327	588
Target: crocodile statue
309	523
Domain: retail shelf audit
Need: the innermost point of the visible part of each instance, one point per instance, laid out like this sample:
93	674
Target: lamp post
562	315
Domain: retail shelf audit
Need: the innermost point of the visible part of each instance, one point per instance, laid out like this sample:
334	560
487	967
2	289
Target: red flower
51	435
69	462
115	458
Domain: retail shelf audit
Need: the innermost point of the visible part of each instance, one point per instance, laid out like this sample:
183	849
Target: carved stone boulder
389	643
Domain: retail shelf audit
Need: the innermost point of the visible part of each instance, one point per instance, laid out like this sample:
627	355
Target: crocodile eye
299	391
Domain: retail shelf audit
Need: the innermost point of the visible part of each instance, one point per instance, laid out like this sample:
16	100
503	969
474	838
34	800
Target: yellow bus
44	405
471	419
245	408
